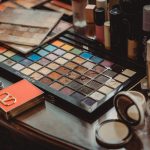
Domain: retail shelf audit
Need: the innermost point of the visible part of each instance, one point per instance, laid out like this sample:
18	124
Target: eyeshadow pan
64	80
53	66
117	68
78	96
94	85
57	43
59	52
42	53
78	60
110	73
102	79
97	96
104	89
83	79
99	69
61	61
89	101
51	57
69	56
27	71
43	61
50	48
26	62
35	66
63	70
2	49
46	81
88	65
81	69
67	47
2	58
73	75
74	85
76	51
36	76
44	71
86	55
121	78
9	53
54	75
18	67
113	83
9	62
96	59
107	63
70	65
56	86
91	74
17	58
128	72
66	91
85	90
34	57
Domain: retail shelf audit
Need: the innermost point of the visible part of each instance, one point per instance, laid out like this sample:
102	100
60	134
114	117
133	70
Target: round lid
130	107
113	133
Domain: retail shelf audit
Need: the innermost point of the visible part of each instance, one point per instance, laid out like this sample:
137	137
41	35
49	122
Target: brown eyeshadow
91	74
63	70
83	79
56	86
73	75
85	90
81	69
94	85
99	69
46	81
54	75
64	80
71	65
66	91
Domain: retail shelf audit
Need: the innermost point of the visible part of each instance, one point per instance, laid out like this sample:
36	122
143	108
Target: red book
19	97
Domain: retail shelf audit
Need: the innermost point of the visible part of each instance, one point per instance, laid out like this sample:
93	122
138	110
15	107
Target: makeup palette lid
113	133
130	107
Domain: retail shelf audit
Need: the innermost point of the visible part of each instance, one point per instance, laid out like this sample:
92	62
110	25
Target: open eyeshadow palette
72	73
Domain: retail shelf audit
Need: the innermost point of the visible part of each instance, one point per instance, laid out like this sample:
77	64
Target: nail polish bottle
99	14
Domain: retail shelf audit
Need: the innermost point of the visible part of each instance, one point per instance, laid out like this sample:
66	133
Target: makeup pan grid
84	79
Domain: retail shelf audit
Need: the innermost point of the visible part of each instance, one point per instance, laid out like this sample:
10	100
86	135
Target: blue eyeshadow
34	57
42	52
26	62
86	55
50	48
96	59
17	58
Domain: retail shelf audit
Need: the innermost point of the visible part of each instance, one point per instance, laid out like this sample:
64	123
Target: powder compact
130	107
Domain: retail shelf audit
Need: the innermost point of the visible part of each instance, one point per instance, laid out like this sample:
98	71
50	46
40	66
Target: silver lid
146	18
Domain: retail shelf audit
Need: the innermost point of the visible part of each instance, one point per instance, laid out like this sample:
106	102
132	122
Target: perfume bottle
78	8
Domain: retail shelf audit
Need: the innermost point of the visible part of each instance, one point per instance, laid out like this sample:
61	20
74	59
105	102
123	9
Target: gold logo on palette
7	99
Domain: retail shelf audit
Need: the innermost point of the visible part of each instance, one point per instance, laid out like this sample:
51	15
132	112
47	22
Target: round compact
113	133
130	107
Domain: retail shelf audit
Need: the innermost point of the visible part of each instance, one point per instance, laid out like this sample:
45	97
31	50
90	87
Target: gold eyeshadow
71	71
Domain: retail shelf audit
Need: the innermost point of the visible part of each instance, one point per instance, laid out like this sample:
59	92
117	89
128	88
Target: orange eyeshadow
58	43
67	47
54	75
78	60
56	86
2	49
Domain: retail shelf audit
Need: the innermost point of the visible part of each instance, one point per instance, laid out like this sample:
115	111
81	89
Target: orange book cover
18	97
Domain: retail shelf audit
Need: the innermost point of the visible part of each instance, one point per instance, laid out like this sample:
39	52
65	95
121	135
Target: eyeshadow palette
72	74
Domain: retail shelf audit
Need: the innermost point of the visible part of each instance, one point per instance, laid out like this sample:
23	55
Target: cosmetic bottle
90	29
107	41
99	14
78	8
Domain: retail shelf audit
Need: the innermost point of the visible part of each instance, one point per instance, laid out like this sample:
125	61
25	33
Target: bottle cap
146	18
99	14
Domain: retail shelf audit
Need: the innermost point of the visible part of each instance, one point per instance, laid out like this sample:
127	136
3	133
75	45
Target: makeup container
107	41
99	14
116	31
130	107
146	27
78	8
90	30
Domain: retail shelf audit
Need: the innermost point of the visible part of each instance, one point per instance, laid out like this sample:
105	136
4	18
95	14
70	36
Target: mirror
127	109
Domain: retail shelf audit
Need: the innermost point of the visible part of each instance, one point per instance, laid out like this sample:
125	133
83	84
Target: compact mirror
130	107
